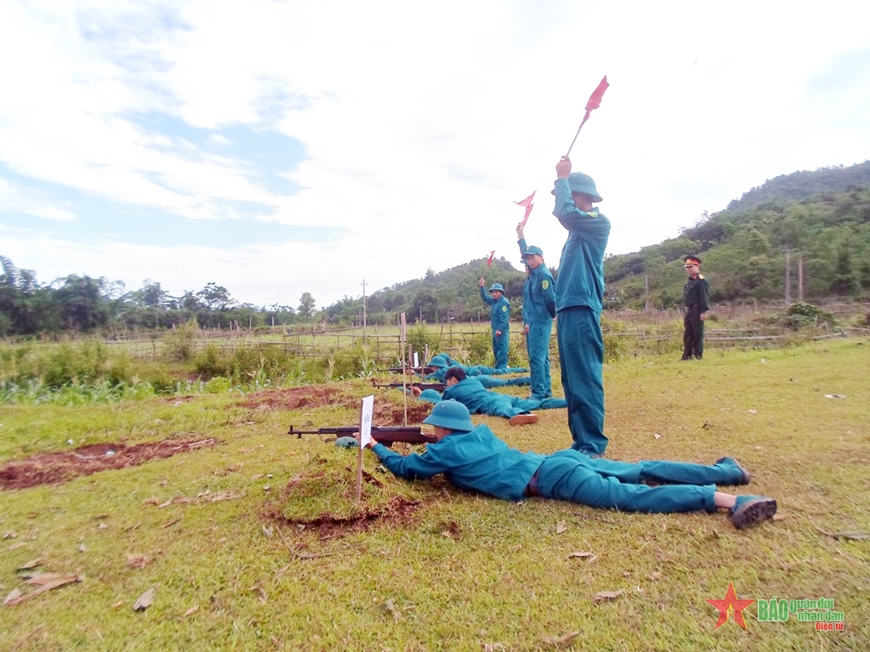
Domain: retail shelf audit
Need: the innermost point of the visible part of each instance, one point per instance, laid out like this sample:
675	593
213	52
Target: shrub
800	315
479	349
419	338
211	362
180	343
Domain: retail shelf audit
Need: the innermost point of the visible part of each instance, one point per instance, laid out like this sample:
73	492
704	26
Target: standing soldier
539	309
499	319
696	299
579	299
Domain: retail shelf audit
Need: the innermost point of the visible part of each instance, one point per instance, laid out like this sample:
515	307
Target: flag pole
593	103
585	118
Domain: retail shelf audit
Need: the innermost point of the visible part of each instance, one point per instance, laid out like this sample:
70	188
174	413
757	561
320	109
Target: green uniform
539	309
479	400
499	320
579	299
480	372
696	301
480	461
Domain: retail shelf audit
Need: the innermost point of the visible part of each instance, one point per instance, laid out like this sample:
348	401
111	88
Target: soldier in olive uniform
696	299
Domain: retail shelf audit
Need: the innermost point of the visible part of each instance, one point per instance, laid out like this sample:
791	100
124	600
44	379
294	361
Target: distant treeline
82	303
811	229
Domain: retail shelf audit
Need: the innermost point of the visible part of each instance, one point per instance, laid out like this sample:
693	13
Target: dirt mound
55	468
321	499
398	510
314	396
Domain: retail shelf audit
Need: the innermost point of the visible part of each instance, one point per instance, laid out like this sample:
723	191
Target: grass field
217	531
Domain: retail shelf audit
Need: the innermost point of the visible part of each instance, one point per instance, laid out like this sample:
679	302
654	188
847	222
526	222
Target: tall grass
90	372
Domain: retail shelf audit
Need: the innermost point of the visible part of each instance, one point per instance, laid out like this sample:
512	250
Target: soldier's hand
525	329
498	333
416	391
520	231
703	316
481	282
563	168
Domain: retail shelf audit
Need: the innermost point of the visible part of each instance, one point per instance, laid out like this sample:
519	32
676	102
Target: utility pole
646	294
787	277
364	310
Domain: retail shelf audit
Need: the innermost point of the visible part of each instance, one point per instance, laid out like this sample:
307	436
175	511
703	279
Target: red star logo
731	604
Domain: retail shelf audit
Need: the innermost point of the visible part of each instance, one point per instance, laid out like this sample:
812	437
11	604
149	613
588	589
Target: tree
424	306
189	301
306	305
844	278
153	296
10	274
215	297
81	302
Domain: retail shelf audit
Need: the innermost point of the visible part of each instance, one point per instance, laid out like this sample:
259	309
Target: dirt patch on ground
55	468
398	510
376	507
314	396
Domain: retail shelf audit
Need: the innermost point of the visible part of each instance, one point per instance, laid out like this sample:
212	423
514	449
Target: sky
277	147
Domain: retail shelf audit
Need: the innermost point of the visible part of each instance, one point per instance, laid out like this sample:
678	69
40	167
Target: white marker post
403	337
367	407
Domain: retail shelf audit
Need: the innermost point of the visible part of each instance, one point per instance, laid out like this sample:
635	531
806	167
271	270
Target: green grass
463	571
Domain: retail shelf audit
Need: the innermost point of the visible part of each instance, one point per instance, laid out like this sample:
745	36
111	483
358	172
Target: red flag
491	254
527	201
595	99
593	103
528	212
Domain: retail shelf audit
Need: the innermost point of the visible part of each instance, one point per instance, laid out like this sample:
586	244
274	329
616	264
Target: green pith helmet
451	415
579	182
438	362
533	251
496	286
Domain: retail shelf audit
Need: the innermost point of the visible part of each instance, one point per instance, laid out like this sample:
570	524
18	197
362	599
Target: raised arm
521	239
488	300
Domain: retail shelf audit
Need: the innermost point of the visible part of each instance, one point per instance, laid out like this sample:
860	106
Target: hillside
819	220
806	184
451	294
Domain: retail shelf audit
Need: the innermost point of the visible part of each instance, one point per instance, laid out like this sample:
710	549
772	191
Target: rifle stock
386	435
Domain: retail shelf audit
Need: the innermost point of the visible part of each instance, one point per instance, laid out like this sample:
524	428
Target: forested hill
818	219
451	294
805	184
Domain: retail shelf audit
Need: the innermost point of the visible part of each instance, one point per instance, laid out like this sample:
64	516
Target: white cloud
14	198
422	125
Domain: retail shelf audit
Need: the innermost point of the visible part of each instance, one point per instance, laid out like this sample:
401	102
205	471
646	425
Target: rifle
386	435
438	387
398	370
